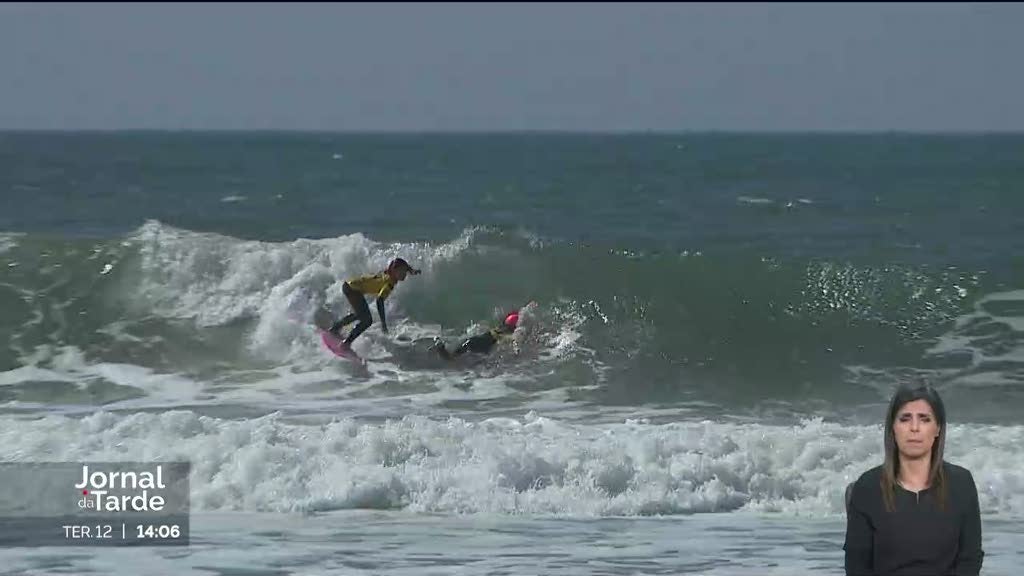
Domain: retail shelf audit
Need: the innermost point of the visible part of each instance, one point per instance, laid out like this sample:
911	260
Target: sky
511	67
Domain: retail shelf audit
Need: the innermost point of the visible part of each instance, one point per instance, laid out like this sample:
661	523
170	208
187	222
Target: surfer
357	289
481	343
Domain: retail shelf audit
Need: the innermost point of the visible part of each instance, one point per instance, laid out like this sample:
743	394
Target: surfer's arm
380	312
385	291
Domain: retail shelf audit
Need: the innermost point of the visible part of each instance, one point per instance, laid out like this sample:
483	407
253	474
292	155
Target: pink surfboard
334	344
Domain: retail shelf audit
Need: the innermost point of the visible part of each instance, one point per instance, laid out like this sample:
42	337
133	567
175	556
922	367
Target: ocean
716	324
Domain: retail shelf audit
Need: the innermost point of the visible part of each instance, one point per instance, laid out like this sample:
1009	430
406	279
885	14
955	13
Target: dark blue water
724	268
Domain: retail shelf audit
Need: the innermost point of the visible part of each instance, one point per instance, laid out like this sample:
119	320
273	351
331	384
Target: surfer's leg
442	351
480	344
337	326
362	314
361	327
463	348
358	303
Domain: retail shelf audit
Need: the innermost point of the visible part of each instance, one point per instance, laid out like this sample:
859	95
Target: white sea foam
9	240
528	465
216	279
755	201
971	335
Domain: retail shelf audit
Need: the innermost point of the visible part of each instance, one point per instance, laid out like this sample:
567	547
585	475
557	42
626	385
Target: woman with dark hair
916	513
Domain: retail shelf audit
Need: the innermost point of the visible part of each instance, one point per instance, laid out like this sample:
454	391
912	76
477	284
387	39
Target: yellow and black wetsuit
379	285
356	291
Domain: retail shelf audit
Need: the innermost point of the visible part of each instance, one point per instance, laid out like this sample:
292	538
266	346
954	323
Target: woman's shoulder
957	474
870	477
866	484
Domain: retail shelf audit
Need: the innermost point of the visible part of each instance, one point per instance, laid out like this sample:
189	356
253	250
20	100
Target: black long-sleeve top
916	538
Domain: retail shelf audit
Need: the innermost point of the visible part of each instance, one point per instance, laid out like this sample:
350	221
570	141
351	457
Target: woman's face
915	429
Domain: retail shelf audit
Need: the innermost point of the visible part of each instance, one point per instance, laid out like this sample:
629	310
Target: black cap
401	263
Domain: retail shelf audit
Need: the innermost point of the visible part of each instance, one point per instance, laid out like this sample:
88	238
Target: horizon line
539	131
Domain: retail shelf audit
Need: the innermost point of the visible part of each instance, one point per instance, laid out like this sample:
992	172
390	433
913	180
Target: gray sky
666	67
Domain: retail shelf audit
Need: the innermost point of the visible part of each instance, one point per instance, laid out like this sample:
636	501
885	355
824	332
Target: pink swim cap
512	320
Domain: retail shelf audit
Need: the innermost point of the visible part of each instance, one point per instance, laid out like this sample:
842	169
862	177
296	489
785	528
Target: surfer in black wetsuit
481	343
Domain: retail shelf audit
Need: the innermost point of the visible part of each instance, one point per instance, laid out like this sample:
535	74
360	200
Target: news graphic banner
94	504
